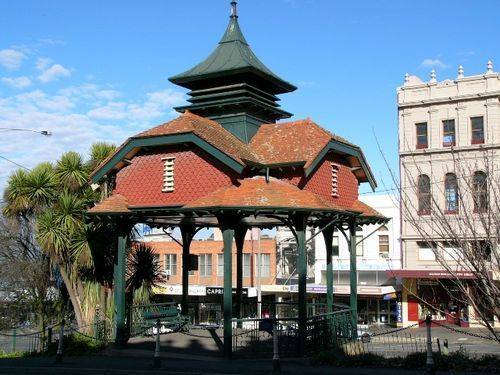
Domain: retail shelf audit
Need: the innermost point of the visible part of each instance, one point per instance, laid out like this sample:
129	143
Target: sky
92	71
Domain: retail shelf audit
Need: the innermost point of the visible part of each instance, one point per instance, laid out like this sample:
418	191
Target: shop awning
430	274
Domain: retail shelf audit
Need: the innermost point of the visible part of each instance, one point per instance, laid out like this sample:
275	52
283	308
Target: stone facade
440	135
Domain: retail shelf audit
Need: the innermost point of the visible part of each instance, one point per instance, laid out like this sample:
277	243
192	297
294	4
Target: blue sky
97	70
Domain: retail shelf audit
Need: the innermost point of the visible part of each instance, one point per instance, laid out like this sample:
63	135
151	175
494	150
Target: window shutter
168	174
335	180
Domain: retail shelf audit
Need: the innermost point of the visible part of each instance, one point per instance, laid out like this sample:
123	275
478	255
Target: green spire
232	86
232	56
233	32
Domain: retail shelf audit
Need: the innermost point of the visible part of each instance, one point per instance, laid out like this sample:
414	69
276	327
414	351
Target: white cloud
11	59
17	82
111	111
53	73
433	63
108	94
42	101
77	116
156	104
43	62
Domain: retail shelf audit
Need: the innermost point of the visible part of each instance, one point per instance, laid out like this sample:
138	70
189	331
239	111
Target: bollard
276	355
156	358
446	350
59	354
14	334
429	364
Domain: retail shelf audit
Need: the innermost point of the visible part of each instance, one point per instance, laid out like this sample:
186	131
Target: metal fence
253	336
30	341
21	340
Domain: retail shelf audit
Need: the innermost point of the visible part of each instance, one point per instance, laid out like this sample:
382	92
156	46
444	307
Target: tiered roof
232	116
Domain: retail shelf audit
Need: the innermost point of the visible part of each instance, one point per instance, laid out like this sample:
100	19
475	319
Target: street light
46	133
42	132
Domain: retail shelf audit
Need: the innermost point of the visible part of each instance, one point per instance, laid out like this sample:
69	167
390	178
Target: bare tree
458	217
27	286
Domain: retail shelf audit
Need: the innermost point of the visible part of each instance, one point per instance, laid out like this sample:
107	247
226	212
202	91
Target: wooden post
239	238
227	226
300	230
156	357
187	233
119	290
328	237
353	279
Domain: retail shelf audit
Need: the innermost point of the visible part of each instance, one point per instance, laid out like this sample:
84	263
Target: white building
449	150
378	255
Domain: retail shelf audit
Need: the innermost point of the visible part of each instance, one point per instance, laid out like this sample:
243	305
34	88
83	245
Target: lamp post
45	133
42	132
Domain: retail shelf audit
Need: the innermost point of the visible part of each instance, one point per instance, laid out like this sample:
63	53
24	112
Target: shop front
435	293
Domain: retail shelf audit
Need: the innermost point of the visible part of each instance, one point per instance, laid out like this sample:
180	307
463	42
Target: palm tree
54	199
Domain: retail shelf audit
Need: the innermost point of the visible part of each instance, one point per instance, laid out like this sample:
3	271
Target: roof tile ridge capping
223	133
108	158
113	203
147	133
309	121
334	136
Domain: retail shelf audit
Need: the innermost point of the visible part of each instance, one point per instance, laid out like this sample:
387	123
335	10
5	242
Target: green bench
169	316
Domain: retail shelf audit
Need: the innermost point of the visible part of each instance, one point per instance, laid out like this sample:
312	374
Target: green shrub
4	355
74	345
456	361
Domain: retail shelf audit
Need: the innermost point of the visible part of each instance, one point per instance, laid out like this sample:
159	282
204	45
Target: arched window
480	191
424	195
451	193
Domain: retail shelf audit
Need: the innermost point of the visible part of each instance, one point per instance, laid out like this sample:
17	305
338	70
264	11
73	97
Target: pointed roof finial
433	76
460	72
489	67
234	13
407	78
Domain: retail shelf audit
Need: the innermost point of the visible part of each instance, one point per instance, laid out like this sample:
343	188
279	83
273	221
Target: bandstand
227	162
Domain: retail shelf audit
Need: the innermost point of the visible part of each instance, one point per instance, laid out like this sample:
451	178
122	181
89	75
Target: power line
15	163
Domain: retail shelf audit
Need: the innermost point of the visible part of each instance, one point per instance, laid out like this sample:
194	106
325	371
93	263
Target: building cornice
450	99
448	150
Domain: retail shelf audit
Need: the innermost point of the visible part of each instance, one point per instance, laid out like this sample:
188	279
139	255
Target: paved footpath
139	365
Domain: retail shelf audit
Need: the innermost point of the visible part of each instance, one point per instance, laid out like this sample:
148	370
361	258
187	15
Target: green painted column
300	230
187	234
328	237
239	238
227	236
119	291
353	277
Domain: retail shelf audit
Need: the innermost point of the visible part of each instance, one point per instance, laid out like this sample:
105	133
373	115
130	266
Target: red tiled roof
365	209
208	130
252	193
256	192
289	142
115	203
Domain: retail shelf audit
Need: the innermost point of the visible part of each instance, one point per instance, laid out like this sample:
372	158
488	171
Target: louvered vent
168	174
335	180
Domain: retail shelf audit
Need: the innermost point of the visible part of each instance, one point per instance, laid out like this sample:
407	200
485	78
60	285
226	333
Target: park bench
169	317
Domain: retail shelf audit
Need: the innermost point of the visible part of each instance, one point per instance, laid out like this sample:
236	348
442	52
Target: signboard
176	290
346	289
215	290
275	288
399	309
